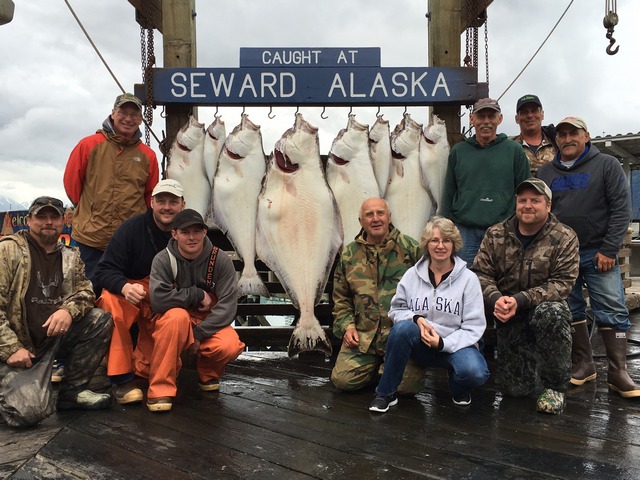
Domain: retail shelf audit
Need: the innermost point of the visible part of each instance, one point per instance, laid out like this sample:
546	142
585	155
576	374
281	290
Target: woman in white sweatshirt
438	315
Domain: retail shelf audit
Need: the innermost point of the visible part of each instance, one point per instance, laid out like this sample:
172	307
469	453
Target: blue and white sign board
315	76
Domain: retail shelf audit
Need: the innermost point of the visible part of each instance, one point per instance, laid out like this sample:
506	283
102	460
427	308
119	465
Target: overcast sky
55	89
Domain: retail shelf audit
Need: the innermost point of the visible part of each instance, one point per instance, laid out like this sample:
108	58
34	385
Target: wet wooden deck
281	418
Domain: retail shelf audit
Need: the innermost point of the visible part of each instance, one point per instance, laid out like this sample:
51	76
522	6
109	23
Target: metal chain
486	46
147	61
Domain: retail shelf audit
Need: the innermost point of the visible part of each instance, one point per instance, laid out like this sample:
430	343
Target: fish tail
252	284
306	340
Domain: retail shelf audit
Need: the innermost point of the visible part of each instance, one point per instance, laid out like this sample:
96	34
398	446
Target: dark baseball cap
537	184
187	218
527	99
46	202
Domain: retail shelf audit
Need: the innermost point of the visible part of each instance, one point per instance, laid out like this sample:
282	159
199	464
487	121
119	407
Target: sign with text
338	86
310	57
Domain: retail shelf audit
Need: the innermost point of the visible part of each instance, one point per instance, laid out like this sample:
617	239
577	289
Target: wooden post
444	51
179	47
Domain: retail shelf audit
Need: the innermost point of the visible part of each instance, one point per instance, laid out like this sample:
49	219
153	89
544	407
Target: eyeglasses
435	242
133	115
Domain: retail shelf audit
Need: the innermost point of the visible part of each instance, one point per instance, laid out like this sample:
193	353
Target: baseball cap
46	202
537	184
127	98
486	103
168	186
528	99
187	218
575	121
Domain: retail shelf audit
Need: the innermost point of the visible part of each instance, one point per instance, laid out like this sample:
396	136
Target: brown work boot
582	367
160	404
130	392
615	343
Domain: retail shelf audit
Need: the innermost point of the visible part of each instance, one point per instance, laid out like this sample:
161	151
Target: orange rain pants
125	314
163	338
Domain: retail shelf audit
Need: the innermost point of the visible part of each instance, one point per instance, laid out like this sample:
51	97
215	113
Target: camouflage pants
355	370
536	345
84	347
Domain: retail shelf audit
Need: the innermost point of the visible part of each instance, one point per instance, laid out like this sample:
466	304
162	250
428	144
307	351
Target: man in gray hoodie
194	294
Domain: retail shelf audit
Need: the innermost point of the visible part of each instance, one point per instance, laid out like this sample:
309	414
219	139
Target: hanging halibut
299	231
213	143
236	185
380	145
434	156
410	201
186	165
350	175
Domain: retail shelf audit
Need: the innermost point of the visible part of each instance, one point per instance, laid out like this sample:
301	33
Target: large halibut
213	143
186	165
410	201
434	157
236	185
298	230
350	174
380	146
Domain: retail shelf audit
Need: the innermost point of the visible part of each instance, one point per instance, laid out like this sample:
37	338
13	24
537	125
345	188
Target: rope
86	34
536	52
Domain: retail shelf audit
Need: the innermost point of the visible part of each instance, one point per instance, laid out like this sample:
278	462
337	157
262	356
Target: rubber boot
582	366
615	342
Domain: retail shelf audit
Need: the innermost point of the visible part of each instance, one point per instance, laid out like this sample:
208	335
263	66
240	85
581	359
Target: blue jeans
90	257
467	367
606	294
471	239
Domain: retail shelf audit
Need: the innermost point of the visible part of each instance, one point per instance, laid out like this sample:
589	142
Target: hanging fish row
294	213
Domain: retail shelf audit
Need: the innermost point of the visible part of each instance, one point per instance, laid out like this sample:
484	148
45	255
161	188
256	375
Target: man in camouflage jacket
538	141
44	294
364	283
527	266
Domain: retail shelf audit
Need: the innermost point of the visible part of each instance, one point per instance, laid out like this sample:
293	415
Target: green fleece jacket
480	183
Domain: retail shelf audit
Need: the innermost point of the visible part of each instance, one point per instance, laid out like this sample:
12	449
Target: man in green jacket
481	178
364	283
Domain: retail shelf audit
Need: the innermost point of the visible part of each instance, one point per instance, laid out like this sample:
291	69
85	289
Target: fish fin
306	340
252	285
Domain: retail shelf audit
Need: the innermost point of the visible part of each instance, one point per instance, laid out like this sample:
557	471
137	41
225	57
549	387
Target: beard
47	237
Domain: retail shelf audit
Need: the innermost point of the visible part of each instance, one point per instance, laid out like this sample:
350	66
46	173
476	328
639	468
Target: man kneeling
194	295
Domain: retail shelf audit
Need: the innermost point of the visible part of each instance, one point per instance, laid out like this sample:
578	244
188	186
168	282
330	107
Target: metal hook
378	112
243	109
610	50
405	110
271	115
351	110
322	115
163	113
215	115
462	114
297	109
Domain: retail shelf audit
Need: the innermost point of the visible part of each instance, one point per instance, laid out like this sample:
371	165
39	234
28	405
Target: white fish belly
351	185
409	201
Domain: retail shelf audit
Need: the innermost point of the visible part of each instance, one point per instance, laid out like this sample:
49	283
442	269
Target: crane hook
609	21
610	50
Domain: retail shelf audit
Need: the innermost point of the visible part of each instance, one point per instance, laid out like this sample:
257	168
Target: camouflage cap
486	103
537	184
46	202
575	121
127	98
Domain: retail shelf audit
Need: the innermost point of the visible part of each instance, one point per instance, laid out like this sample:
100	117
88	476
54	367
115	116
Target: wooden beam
149	9
478	13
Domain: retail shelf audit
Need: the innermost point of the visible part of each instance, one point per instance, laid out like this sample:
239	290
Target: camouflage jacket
78	296
364	283
545	153
543	272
